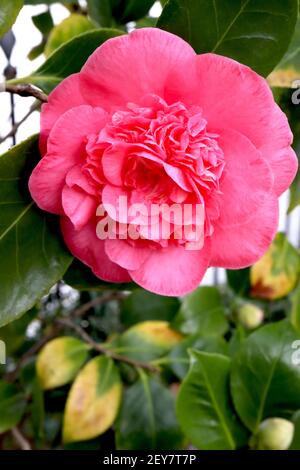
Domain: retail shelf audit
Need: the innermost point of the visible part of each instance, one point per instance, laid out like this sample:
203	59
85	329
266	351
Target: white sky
27	36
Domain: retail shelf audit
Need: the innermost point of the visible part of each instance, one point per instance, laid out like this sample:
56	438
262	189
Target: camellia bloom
150	120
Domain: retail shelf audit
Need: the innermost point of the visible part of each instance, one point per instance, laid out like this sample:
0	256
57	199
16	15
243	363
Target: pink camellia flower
150	120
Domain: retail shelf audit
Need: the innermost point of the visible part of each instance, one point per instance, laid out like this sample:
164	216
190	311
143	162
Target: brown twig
25	89
15	128
58	326
102	349
97	301
20	439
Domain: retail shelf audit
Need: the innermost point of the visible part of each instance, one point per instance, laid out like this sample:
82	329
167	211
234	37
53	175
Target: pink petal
241	246
246	181
111	202
65	96
65	149
173	271
76	178
234	96
85	246
79	206
126	68
126	255
279	154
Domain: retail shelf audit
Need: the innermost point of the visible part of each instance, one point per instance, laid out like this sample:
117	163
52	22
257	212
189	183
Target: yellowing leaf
59	361
69	28
93	400
276	274
148	340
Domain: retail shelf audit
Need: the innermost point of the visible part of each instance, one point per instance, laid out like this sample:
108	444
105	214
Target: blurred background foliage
92	365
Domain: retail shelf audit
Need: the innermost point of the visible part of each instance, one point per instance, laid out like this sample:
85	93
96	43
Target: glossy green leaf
239	281
295	311
38	412
12	405
60	360
202	312
43	22
14	334
100	11
204	407
33	257
72	26
296	440
276	274
132	10
147	340
142	305
147	418
288	69
67	59
93	401
254	32
9	10
265	378
179	358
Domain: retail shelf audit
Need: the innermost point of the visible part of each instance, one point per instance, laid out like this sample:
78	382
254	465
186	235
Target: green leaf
60	360
67	59
142	305
33	257
147	340
69	28
93	401
14	334
81	278
265	381
179	356
38	413
9	10
254	32
296	440
202	312
295	311
100	12
288	69
43	22
239	281
203	405
276	274
131	10
147	418
12	405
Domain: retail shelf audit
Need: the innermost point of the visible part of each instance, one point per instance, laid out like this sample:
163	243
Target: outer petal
277	151
125	255
65	146
173	271
126	68
65	96
85	246
246	181
234	96
241	246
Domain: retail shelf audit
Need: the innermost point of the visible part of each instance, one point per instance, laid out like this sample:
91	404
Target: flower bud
274	434
250	316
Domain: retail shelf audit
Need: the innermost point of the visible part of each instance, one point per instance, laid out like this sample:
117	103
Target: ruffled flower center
166	154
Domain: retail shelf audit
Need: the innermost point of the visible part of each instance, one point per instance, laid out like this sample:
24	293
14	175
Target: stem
16	126
25	89
83	309
20	439
102	349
